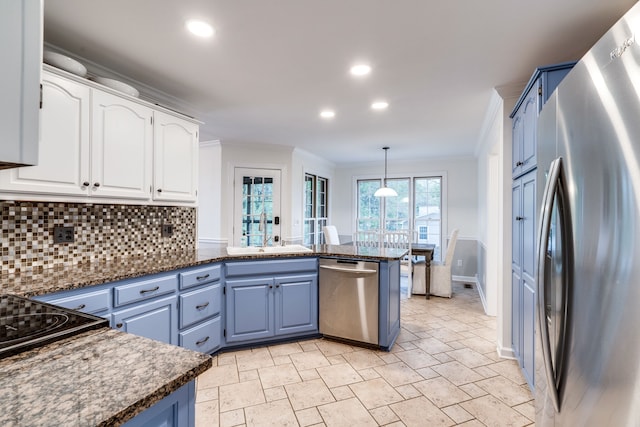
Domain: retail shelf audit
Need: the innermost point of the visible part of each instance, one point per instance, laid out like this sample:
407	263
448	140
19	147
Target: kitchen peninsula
106	376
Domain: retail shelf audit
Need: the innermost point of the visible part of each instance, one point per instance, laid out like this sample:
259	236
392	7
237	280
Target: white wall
209	195
494	211
461	193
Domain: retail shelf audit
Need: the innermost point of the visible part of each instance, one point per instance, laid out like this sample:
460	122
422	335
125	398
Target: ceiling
273	65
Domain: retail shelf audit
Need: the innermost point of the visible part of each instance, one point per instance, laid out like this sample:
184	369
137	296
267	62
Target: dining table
426	250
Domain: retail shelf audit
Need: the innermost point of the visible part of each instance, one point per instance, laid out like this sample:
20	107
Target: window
315	208
424	194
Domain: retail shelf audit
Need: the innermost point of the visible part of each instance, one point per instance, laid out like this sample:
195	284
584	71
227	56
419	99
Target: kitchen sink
267	250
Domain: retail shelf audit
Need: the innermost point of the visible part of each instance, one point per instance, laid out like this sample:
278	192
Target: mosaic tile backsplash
101	233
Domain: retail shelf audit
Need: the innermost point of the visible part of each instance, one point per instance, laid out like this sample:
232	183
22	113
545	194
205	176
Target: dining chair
331	235
440	272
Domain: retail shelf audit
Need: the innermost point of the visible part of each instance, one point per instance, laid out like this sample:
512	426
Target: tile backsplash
101	233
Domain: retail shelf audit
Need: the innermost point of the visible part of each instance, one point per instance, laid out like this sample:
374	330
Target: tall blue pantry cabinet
525	209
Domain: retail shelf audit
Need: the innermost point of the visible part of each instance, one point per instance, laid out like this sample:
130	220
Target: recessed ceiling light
200	28
327	114
380	105
360	70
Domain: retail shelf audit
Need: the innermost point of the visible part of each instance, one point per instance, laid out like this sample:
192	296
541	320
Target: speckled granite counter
32	283
100	378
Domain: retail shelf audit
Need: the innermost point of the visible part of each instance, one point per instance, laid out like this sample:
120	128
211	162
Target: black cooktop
26	324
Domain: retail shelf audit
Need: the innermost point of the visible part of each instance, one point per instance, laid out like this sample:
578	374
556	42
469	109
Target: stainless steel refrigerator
587	370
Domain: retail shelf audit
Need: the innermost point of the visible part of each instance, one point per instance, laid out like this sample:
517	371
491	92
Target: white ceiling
273	64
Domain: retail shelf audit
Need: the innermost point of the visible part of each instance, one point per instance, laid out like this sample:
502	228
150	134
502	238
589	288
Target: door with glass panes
256	207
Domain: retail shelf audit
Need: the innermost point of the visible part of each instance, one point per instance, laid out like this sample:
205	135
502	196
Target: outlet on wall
167	230
459	263
63	235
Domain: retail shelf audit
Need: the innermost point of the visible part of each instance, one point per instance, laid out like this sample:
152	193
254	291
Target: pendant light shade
385	191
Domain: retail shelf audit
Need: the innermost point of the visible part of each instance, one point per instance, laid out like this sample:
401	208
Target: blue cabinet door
157	320
296	304
175	410
528	331
389	303
249	309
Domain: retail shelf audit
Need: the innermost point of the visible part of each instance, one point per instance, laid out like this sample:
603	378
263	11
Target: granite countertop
45	281
101	377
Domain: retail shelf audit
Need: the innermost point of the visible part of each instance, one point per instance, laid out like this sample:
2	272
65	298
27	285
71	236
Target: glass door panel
257	207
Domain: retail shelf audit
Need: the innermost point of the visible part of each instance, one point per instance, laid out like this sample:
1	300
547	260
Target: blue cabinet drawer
271	266
144	289
88	302
200	276
200	304
204	338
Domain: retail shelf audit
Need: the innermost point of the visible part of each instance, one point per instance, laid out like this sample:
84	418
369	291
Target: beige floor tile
457	373
363	359
527	409
485	371
375	393
234	396
469	358
432	345
492	412
308	417
398	374
309	374
472	423
443	357
417	358
506	390
420	412
281	360
480	345
309	346
274	376
342	392
409	345
309	394
389	358
336	360
284	349
272	414
251	374
217	376
309	360
369	374
338	375
348	412
405	336
254	359
207	414
457	414
408	391
275	393
384	415
473	390
441	392
427	373
333	348
202	395
226	359
446	335
232	418
508	369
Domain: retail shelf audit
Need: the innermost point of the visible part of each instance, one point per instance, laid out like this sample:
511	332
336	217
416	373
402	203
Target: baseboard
483	299
465	279
506	352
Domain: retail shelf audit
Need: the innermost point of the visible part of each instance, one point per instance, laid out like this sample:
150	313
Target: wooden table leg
427	273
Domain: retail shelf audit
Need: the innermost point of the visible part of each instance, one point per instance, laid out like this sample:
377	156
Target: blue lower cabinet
260	308
157	320
389	303
205	338
175	410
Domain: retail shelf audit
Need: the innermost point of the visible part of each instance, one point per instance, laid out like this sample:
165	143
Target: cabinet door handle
80	307
277	286
519	163
270	286
202	341
201	306
144	291
118	325
96	184
519	218
206	276
159	190
85	184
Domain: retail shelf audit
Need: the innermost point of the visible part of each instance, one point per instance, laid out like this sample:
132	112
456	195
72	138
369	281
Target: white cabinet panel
175	158
122	135
64	143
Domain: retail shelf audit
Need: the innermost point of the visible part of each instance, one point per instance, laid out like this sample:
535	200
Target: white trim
212	143
465	279
506	353
213	240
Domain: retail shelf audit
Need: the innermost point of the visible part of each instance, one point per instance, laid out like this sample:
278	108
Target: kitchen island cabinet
271	299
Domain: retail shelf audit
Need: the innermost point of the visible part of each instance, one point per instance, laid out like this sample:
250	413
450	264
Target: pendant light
385	191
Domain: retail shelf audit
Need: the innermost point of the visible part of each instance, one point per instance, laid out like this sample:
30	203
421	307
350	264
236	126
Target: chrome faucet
262	226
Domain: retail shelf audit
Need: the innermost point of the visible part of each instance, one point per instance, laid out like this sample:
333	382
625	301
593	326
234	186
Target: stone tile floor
442	371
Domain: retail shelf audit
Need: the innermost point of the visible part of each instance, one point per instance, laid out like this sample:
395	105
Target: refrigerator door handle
550	190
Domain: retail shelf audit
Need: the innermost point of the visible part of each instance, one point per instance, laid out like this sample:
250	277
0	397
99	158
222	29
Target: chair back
331	235
451	247
396	239
367	238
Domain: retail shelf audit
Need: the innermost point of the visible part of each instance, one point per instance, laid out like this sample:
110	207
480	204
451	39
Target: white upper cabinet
175	150
64	142
21	51
121	144
97	144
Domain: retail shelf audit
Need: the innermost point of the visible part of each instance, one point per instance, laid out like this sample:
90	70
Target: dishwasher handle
349	270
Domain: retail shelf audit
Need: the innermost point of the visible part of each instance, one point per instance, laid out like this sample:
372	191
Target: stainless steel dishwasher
349	300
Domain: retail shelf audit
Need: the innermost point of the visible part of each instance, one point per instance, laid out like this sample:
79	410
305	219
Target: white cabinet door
175	148
121	144
63	167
